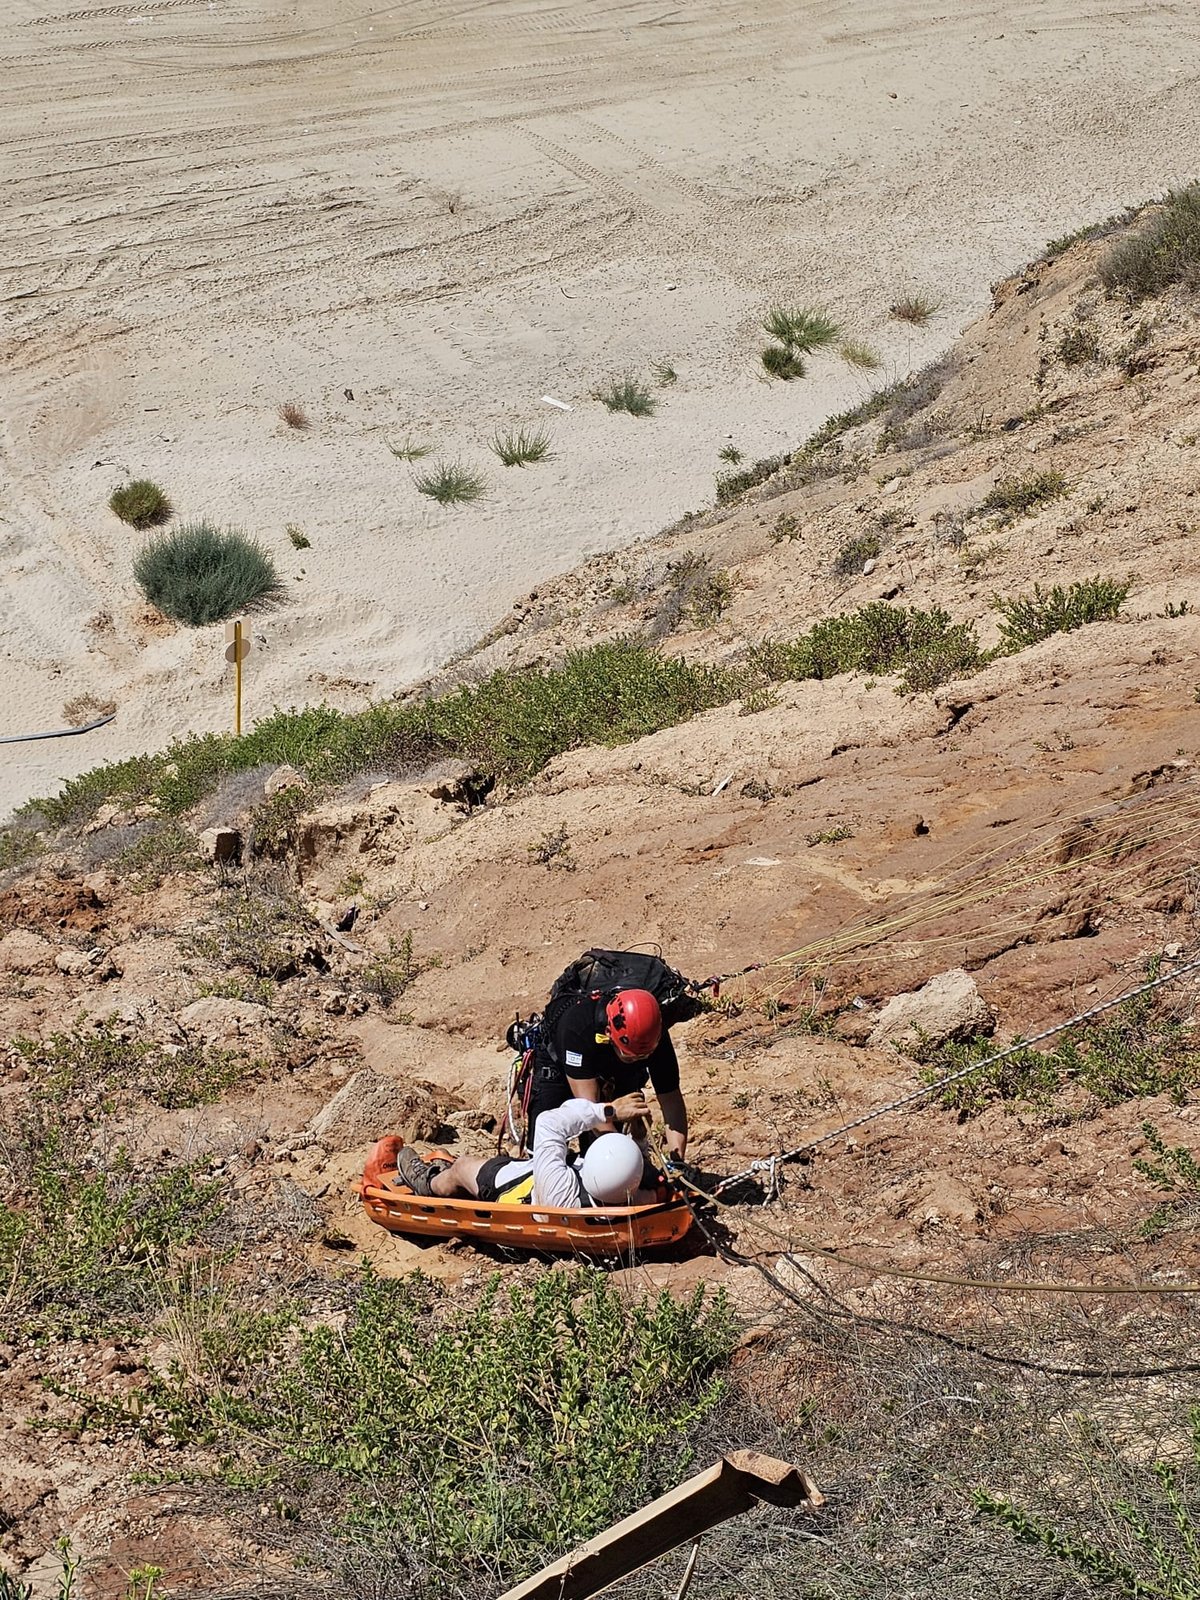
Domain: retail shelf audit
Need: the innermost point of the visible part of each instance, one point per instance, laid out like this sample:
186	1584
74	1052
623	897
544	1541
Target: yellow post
237	657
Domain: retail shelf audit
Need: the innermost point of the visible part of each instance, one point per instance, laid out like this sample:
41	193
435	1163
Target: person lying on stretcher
613	1172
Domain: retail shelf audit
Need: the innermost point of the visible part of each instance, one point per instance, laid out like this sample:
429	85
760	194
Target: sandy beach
416	220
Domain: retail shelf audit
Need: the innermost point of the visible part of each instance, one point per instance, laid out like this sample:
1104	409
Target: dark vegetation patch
1160	250
199	574
140	503
1019	497
1029	617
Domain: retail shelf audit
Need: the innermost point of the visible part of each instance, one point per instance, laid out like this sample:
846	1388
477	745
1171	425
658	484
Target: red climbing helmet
634	1023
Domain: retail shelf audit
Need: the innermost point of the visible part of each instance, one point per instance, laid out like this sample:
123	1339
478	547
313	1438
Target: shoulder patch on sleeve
574	1058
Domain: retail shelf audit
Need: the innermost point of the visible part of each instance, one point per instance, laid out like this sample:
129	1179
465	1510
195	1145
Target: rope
787	1156
58	733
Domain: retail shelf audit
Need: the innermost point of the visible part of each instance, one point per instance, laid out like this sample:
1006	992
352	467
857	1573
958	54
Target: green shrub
925	646
1017	497
98	1068
695	591
451	483
628	394
521	445
1141	1049
1026	618
199	574
1079	345
140	503
665	375
852	556
732	484
81	1241
730	453
479	1438
782	362
297	537
801	328
1161	250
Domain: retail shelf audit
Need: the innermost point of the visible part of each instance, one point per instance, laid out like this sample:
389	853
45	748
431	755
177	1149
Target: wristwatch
610	1113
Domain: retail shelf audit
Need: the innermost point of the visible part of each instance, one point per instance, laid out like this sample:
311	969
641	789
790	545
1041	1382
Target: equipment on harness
600	974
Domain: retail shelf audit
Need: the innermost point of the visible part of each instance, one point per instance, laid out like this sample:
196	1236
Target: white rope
771	1162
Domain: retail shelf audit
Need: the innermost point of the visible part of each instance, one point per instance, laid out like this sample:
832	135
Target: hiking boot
417	1173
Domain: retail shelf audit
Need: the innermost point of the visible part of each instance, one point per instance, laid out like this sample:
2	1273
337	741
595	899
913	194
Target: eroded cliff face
1032	824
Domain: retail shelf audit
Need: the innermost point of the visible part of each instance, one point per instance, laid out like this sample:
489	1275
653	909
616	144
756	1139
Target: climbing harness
770	1164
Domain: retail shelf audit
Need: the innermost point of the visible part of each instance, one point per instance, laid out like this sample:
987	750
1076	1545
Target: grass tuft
199	574
1162	250
665	375
410	450
295	416
140	503
783	363
855	553
1079	346
299	539
730	453
627	394
451	483
519	446
856	353
1030	617
802	328
916	309
1018	497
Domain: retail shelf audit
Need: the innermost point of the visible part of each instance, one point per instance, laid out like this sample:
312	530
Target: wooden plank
734	1484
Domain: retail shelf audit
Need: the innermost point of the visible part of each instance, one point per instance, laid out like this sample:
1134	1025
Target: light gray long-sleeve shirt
556	1180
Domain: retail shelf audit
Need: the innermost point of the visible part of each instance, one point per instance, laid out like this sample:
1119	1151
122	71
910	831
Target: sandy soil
445	212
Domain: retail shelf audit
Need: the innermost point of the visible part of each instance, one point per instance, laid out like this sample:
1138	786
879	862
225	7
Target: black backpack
601	973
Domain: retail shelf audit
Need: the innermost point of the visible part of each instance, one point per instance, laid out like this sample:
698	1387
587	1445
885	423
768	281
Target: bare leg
458	1178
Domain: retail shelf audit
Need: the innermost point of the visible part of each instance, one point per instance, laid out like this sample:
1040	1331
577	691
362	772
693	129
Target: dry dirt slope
1034	823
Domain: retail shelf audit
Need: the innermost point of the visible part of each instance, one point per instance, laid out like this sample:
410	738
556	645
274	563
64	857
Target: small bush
388	975
1141	1049
1161	250
782	362
730	453
926	647
801	328
695	591
451	483
200	574
917	309
294	416
1017	497
627	394
553	849
521	445
409	450
1030	617
855	353
665	375
299	539
854	553
140	503
1079	345
84	708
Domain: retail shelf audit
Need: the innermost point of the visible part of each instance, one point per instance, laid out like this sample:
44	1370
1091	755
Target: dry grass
915	309
294	416
85	708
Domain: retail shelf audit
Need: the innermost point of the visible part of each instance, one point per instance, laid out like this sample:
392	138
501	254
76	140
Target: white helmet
612	1169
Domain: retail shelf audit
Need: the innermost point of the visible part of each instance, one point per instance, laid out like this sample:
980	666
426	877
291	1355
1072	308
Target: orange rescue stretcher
613	1230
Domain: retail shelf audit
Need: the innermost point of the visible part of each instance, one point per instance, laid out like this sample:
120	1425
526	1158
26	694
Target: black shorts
494	1169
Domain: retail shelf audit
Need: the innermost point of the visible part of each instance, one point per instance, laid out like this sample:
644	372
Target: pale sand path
212	206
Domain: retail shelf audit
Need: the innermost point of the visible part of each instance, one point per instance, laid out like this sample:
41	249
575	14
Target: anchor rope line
927	1089
836	1253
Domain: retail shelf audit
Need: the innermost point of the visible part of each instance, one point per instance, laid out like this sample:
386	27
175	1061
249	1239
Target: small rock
869	567
251	1150
105	816
221	845
284	778
335	1005
462	785
214	1019
1173	951
369	1105
947	1007
283	1152
23	952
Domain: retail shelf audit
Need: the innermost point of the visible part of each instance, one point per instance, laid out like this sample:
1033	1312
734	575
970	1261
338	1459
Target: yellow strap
519	1193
